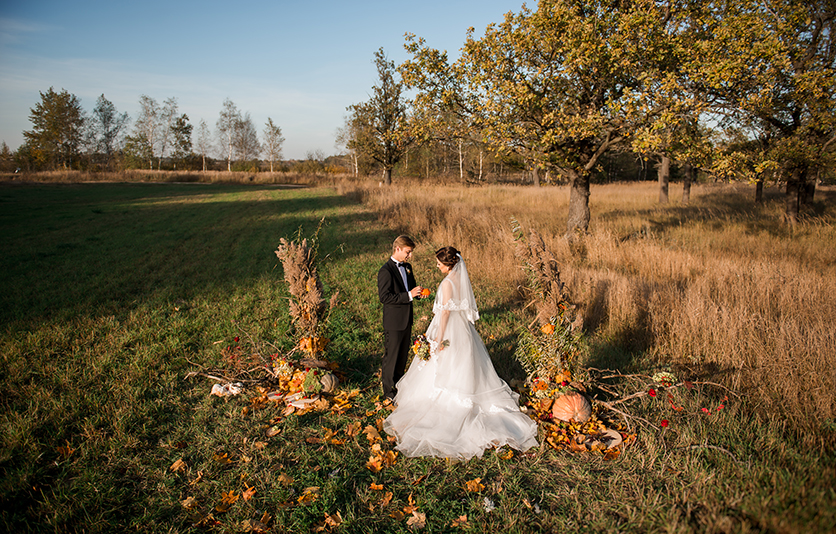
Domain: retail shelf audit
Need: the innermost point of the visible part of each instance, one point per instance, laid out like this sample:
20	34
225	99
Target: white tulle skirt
454	405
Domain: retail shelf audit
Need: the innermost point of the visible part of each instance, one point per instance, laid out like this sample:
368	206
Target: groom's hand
415	291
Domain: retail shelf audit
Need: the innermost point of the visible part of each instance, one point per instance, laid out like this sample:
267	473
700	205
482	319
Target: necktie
402	270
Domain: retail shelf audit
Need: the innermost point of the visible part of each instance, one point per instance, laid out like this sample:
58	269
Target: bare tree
245	139
273	141
227	121
204	141
167	122
146	129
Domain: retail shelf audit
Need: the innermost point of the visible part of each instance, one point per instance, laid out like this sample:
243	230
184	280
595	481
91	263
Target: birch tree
273	141
227	122
204	141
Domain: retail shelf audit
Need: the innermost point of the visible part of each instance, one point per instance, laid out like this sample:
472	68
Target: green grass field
113	293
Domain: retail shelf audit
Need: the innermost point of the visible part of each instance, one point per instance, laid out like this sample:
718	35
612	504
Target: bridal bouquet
421	347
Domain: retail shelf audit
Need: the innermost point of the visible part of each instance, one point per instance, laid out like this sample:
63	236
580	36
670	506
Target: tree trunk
461	162
664	175
387	176
759	189
480	165
793	197
578	219
535	175
686	185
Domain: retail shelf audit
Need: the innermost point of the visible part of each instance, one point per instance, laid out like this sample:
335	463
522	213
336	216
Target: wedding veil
463	299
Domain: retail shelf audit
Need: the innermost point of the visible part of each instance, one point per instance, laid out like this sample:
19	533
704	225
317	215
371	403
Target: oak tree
381	129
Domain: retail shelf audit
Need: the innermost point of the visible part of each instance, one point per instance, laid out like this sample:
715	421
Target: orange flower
547	328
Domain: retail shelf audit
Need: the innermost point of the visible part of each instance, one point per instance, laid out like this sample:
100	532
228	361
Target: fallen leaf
397	514
417	521
260	444
273	431
189	502
387	498
222	459
375	464
352	429
179	465
372	434
389	458
248	493
376	487
198	479
461	522
227	500
507	455
65	451
334	520
474	485
313	440
254	525
309	495
285	480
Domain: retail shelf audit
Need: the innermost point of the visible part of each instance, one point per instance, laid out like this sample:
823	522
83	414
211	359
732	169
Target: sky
300	62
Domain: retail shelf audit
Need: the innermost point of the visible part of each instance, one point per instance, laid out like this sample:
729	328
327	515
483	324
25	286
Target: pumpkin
329	382
425	292
572	407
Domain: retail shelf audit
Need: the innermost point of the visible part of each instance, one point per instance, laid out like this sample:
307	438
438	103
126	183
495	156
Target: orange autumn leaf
248	493
284	479
309	495
461	522
372	434
222	459
376	487
375	464
387	498
389	458
352	429
474	485
179	465
65	451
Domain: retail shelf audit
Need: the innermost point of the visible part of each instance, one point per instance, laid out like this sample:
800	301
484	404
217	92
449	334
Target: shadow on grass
115	246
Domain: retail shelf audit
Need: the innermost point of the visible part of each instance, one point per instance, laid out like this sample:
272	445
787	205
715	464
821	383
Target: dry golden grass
720	285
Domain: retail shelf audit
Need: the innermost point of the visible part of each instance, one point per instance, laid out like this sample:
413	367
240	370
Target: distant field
112	293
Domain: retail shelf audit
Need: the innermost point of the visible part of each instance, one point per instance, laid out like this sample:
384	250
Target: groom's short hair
403	241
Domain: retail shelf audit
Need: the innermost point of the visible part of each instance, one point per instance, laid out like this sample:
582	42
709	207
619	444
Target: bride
454	405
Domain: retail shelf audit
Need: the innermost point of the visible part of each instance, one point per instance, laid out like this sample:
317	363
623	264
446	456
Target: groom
396	288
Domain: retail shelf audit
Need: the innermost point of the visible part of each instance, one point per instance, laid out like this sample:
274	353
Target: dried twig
626	415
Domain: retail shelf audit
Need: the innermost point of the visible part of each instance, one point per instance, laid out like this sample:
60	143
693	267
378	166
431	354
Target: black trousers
396	344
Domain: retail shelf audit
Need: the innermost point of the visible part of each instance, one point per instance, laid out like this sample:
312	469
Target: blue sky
300	63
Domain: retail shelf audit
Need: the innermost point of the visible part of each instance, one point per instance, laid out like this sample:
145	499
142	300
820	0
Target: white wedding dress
454	405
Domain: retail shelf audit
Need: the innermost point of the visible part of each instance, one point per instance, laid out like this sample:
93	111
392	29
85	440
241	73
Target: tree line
734	89
64	136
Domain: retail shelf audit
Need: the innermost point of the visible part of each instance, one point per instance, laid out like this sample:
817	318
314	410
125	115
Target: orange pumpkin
572	407
425	292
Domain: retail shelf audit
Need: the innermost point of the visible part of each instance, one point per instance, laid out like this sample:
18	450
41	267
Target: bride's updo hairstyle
449	256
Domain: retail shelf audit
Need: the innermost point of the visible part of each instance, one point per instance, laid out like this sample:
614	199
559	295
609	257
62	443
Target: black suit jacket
397	307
